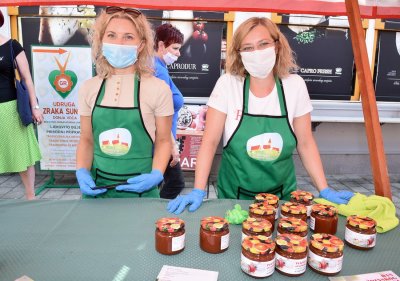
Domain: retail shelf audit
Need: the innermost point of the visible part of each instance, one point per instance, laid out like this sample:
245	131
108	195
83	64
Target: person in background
263	113
19	149
168	41
126	112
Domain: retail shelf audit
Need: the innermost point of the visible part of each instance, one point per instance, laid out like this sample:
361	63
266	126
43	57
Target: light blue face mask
120	56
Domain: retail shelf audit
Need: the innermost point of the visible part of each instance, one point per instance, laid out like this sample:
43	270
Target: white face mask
259	63
169	58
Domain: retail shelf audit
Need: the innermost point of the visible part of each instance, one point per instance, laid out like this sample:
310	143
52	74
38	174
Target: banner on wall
58	73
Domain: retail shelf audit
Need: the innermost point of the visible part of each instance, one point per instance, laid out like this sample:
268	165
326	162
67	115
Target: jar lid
326	242
361	222
302	196
262	208
267	197
292	224
258	244
291	243
324	210
170	224
214	223
257	225
294	208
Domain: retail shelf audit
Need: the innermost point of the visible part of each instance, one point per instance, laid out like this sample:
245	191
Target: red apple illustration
204	36
323	265
252	268
196	35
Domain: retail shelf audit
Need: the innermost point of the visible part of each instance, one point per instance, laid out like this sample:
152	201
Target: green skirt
19	148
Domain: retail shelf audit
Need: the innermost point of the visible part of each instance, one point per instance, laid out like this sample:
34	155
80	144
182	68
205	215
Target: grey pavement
11	186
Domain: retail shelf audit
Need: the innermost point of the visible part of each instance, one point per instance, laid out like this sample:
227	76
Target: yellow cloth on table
379	208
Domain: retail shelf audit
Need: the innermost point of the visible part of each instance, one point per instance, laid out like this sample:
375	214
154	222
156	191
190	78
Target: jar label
277	213
178	243
325	265
360	240
309	210
257	269
312	223
224	241
245	235
290	266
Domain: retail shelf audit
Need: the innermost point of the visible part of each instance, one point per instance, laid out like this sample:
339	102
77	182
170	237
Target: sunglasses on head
130	11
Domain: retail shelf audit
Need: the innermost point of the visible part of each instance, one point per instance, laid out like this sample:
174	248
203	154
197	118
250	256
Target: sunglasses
132	12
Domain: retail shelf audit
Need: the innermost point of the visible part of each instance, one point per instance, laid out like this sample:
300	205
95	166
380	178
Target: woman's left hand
175	156
37	116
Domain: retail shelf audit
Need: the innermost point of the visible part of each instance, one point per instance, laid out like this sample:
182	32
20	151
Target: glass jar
270	199
303	197
170	236
256	226
292	225
214	235
295	210
324	219
325	255
258	256
290	254
360	232
264	211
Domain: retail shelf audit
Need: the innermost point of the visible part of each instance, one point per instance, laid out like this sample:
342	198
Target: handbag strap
14	60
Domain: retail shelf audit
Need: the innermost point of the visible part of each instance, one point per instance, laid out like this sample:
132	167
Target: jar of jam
360	232
303	197
270	199
292	225
325	255
170	236
264	211
295	210
258	256
214	235
256	226
290	254
324	219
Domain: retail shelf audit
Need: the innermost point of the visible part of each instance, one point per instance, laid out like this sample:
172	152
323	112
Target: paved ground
11	186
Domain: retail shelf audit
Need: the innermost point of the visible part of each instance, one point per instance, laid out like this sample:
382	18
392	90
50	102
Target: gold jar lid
258	244
170	224
267	197
324	210
214	223
302	196
294	208
361	222
262	208
257	225
292	224
326	242
291	243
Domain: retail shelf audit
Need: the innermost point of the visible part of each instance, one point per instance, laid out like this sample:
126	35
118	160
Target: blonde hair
144	64
285	62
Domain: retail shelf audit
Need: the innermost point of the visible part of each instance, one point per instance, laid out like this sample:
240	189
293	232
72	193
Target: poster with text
58	73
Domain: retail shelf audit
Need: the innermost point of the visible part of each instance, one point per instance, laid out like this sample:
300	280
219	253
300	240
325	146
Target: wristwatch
36	107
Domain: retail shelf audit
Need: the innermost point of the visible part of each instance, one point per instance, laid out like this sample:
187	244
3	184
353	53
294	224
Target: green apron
122	146
258	156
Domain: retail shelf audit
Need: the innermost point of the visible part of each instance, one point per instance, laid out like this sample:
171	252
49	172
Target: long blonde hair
144	64
285	62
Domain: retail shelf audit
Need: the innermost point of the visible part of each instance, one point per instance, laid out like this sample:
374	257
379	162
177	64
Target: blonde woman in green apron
263	113
126	112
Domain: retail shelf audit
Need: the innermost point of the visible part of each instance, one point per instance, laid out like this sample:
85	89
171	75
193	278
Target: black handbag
23	102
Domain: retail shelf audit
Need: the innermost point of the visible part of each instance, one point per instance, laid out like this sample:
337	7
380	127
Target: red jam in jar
324	219
360	232
295	210
258	256
170	236
303	197
263	211
270	199
325	255
292	225
256	226
214	235
290	254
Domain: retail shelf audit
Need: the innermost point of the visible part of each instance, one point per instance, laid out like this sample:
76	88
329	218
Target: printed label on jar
312	223
290	266
178	243
244	236
224	241
360	240
309	210
257	269
277	213
325	265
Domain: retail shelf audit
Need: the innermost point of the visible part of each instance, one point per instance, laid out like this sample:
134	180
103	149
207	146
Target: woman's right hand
194	199
86	183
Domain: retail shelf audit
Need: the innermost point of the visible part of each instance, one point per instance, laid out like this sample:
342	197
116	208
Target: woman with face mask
168	41
126	112
263	113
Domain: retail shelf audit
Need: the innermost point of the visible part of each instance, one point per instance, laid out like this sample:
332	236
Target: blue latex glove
194	199
86	183
338	197
143	182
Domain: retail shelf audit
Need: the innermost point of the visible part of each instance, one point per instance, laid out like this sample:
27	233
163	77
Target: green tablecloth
97	239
